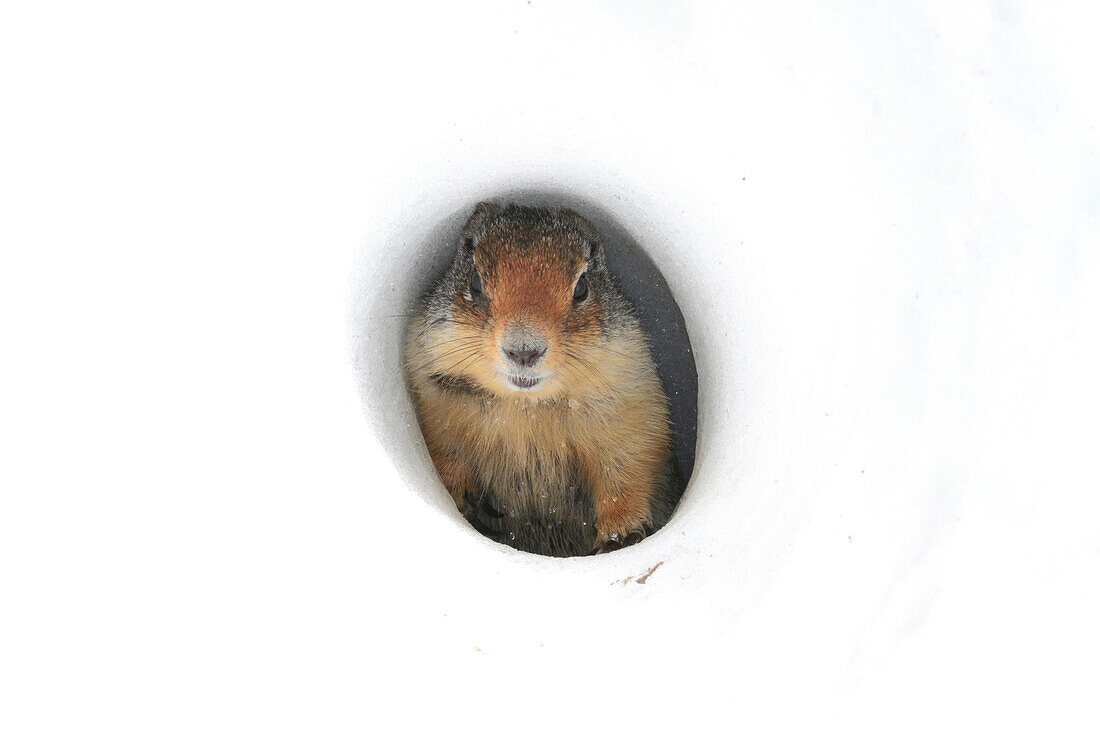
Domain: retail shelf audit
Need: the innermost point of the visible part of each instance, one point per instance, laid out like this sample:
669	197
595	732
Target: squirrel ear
474	226
588	232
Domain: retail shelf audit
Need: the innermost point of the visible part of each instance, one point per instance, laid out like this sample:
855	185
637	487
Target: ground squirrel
535	389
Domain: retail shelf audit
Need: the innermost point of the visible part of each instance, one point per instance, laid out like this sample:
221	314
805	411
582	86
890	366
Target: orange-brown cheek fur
472	349
482	361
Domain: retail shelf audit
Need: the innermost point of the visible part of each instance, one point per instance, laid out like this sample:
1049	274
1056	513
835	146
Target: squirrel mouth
524	382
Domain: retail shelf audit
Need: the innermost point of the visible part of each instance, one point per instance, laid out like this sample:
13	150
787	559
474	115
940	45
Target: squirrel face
528	305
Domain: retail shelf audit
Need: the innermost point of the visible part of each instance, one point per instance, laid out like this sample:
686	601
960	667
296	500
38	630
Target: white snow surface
880	222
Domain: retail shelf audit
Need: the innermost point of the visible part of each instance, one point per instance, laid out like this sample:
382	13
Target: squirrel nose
525	356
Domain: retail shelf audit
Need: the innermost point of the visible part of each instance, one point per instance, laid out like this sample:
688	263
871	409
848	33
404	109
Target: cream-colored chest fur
521	448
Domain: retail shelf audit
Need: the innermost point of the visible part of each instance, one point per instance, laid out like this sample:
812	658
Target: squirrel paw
484	505
617	541
479	511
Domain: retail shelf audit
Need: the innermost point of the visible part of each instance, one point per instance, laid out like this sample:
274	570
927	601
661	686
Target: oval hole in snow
392	277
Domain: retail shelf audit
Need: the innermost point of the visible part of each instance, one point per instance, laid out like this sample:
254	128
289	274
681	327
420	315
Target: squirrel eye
475	284
581	291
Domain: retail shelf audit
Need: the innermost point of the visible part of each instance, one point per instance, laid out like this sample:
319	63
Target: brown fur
583	462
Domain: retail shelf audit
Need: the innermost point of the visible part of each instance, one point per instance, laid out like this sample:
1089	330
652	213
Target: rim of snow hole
399	267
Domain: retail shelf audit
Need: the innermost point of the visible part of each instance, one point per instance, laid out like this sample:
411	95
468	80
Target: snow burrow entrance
398	268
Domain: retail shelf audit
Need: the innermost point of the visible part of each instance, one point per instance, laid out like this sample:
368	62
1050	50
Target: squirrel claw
474	518
479	511
618	542
486	506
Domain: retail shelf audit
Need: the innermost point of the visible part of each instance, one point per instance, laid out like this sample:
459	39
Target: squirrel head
529	306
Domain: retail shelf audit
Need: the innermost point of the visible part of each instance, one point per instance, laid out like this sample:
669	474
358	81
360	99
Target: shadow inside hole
426	251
